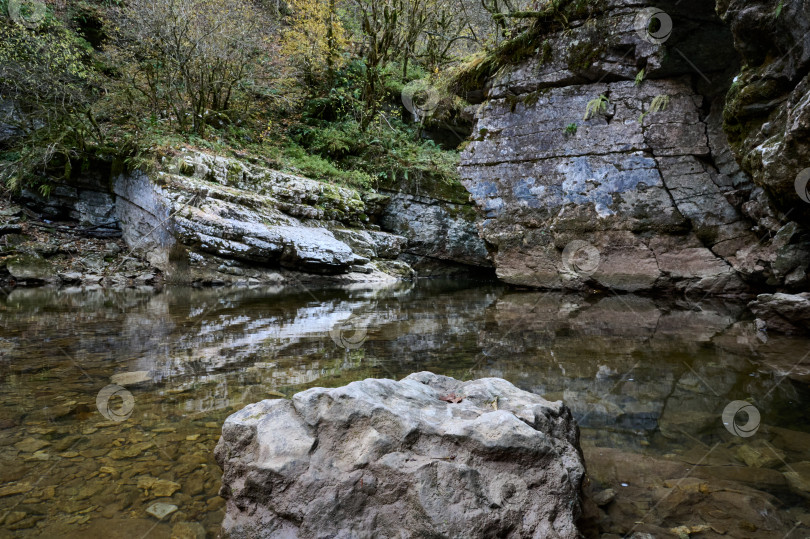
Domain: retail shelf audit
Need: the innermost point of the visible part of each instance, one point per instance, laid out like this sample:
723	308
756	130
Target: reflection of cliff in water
624	364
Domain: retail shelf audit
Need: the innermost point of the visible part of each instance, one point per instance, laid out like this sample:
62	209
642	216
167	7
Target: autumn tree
315	37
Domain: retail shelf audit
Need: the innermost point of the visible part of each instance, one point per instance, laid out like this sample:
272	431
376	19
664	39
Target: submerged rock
425	456
160	510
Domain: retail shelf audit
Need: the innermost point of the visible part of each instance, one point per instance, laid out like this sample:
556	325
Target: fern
640	76
596	106
659	103
778	10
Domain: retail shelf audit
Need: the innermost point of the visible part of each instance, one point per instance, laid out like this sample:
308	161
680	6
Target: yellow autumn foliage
315	35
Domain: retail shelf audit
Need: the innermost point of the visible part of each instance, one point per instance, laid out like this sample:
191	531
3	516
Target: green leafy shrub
598	105
45	76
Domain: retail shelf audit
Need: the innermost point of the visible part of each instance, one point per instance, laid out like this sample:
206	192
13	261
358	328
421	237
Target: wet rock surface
36	251
428	455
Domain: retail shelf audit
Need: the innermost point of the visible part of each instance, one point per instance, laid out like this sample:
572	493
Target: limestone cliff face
646	193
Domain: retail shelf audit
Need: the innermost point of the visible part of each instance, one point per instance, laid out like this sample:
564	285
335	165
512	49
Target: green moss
533	42
545	52
580	9
463	211
235	172
530	100
747	107
424	183
742	99
582	55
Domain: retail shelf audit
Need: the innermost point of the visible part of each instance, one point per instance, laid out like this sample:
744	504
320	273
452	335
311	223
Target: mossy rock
186	168
555	17
31	268
582	55
428	185
752	99
235	173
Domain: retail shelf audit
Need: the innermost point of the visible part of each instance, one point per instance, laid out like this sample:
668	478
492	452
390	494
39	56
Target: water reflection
648	383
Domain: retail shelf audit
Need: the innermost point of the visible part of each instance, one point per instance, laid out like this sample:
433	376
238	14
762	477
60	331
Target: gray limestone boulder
428	456
437	229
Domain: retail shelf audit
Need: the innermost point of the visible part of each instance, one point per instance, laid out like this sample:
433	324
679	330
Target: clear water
648	382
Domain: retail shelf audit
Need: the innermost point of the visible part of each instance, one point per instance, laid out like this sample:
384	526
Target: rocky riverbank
202	219
599	161
36	251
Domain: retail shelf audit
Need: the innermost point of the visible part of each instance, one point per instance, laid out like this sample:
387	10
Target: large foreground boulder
428	456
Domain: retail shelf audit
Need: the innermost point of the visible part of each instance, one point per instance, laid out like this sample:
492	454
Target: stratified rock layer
205	215
381	458
639	190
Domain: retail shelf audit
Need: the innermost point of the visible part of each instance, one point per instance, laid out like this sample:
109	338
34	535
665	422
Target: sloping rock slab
381	458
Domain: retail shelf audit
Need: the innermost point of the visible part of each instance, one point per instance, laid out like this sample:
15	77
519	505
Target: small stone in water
160	488
605	497
192	437
131	378
11	490
188	530
40	455
160	509
108	470
14	517
48	492
31	445
131	451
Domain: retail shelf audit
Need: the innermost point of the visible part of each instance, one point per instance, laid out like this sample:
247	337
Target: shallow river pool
111	401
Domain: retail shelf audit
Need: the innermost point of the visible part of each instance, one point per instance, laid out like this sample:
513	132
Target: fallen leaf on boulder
452	398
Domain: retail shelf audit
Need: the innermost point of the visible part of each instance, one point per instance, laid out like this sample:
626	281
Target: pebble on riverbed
160	510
